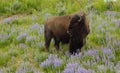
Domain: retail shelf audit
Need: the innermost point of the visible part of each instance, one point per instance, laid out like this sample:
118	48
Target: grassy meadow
22	37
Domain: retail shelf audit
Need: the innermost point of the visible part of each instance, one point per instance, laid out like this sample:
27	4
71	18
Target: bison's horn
80	19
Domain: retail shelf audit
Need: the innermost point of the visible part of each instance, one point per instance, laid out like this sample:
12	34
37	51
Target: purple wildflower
1	71
30	38
78	55
118	23
91	71
81	70
34	17
22	45
111	56
41	30
118	44
91	52
21	36
4	36
8	20
41	44
117	67
52	59
104	23
106	51
72	65
46	63
101	67
57	62
35	26
97	58
47	15
108	36
69	70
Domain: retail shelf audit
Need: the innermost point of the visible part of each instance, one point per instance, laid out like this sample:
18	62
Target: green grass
29	52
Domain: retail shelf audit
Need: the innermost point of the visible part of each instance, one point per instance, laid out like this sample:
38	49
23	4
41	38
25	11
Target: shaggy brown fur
77	26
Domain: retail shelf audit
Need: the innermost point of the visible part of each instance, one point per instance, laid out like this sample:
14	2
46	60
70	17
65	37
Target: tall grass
57	7
22	37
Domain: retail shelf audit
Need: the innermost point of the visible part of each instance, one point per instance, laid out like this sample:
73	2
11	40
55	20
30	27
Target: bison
71	28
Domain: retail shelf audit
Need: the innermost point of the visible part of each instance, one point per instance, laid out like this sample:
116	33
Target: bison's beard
75	45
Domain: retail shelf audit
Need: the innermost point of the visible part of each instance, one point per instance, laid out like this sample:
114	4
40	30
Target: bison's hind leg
57	41
48	36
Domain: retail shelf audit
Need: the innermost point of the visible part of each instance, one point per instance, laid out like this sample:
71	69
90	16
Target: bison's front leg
72	47
57	41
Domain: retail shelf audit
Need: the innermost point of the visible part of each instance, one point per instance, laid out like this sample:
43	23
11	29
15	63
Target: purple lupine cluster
8	20
40	44
71	68
38	27
81	70
35	26
4	36
22	45
91	52
76	68
117	67
106	50
30	38
21	36
25	68
41	30
47	15
52	60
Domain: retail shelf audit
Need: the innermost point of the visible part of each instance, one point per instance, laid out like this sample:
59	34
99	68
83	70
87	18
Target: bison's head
79	29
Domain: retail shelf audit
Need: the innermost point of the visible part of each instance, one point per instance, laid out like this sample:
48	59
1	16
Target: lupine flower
57	62
111	56
35	26
0	36
91	52
102	67
34	17
118	44
46	63
69	70
41	44
117	67
118	23
104	23
71	67
97	58
108	36
30	38
52	60
47	15
41	30
21	36
106	51
8	20
78	55
91	71
22	45
4	36
1	71
111	65
81	70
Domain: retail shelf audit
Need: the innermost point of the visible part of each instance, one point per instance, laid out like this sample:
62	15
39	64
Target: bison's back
58	25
